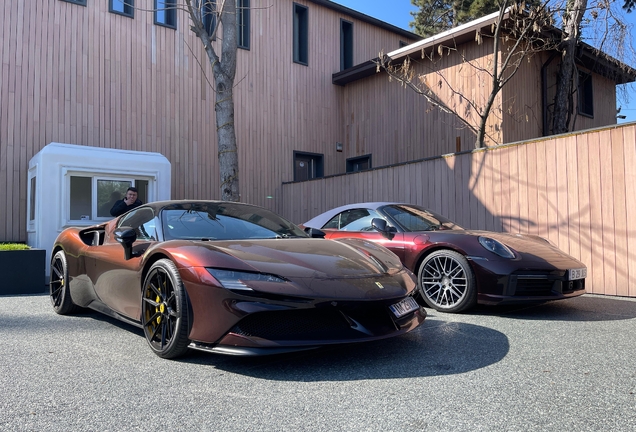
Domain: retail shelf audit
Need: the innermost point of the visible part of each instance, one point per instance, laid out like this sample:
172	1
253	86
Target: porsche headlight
236	280
496	247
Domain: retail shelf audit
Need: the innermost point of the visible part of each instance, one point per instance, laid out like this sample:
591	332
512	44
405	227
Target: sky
397	12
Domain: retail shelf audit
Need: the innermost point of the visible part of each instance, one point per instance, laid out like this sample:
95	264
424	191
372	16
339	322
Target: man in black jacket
129	202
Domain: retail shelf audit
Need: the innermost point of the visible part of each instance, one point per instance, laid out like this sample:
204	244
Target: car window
142	220
224	222
415	218
353	220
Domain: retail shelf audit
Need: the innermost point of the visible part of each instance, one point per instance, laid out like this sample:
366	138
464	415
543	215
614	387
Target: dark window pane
243	23
301	34
80	205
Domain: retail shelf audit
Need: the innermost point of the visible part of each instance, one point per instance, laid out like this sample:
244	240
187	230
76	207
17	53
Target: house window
586	95
346	44
166	13
122	7
307	166
79	2
243	23
359	163
92	196
209	17
301	34
402	44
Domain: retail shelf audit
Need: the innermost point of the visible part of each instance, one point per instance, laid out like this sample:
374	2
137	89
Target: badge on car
574	274
404	307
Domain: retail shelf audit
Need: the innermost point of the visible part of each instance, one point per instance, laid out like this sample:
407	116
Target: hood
303	257
347	268
533	248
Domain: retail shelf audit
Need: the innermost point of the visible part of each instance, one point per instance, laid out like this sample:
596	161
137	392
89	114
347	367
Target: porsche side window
413	218
334	222
353	220
143	221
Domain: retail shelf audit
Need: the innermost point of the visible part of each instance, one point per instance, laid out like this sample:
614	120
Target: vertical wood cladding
81	75
572	190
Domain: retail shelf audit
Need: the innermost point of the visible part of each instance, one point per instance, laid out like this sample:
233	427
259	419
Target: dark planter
23	271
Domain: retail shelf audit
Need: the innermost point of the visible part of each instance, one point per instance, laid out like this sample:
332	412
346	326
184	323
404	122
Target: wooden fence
573	189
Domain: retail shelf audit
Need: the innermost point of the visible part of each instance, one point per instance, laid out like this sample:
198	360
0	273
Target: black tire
447	282
58	285
164	310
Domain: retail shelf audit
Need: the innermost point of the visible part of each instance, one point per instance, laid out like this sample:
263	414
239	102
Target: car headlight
236	280
496	247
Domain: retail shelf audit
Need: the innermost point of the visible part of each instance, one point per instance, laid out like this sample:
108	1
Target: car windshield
415	218
224	221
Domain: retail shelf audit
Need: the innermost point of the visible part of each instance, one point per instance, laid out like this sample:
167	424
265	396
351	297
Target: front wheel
58	285
164	310
447	282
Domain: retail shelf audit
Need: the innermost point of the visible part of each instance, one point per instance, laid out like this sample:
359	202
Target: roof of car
320	220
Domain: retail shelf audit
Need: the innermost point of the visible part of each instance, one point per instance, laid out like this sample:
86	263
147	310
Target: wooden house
308	99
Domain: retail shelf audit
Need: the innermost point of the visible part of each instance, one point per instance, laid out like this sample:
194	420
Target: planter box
23	271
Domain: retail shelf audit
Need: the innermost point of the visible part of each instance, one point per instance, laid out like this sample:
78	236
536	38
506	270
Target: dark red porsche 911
458	268
231	278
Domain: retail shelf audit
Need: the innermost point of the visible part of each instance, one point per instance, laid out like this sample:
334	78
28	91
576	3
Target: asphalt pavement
560	366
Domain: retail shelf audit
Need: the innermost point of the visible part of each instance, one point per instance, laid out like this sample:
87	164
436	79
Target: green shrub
13	246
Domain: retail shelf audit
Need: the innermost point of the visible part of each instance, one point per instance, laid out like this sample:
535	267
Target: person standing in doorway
129	202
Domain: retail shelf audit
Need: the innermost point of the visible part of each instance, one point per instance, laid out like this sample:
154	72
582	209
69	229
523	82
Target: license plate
574	274
403	307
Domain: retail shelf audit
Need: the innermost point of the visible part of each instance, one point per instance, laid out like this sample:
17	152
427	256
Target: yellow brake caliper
162	306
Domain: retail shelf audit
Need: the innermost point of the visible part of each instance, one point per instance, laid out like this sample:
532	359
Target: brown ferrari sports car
231	278
457	268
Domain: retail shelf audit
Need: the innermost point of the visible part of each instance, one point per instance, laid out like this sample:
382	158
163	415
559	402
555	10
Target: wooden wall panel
572	189
82	75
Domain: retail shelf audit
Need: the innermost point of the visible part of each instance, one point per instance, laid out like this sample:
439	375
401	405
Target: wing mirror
380	225
315	232
126	236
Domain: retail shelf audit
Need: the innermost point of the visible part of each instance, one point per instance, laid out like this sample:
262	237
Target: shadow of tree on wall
572	190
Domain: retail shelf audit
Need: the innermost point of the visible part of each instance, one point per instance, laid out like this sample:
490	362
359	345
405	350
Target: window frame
317	158
128	4
77	2
243	20
300	42
346	44
351	161
585	97
170	10
96	176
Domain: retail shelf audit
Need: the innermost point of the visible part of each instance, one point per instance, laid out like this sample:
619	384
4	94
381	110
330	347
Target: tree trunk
565	79
224	71
228	156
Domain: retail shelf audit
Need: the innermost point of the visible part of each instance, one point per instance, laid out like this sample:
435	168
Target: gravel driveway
561	366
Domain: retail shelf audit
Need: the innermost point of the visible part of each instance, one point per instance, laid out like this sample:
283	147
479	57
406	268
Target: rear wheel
446	282
58	285
165	310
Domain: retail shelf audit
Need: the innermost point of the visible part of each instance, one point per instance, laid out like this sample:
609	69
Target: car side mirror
315	232
126	236
380	225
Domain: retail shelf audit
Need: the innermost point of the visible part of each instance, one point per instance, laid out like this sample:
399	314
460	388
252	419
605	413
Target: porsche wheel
446	282
164	310
58	285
